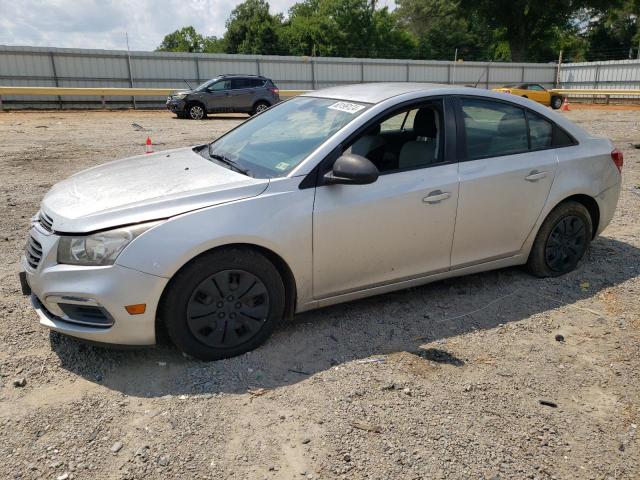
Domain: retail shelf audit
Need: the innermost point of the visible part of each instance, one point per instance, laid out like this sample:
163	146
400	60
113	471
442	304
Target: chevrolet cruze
331	196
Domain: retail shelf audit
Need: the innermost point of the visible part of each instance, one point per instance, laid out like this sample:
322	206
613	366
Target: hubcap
197	112
566	244
228	308
261	108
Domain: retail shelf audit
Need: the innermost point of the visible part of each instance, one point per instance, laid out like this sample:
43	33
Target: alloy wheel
196	112
228	308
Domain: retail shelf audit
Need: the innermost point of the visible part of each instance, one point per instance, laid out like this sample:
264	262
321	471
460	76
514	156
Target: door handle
436	197
535	175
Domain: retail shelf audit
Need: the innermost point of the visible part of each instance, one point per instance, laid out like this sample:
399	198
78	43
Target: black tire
196	111
259	107
228	329
556	102
562	240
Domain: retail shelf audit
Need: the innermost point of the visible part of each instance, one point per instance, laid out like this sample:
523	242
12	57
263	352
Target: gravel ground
497	375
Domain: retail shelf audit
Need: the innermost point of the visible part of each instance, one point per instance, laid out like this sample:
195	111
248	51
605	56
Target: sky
103	23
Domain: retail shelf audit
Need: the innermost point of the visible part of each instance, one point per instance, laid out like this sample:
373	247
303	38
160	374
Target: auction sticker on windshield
347	107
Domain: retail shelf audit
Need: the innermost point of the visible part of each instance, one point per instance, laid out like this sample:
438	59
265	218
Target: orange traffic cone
565	105
149	148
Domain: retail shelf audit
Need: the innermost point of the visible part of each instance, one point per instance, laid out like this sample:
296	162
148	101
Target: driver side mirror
350	169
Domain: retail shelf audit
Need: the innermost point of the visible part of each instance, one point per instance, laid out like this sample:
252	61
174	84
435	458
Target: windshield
274	142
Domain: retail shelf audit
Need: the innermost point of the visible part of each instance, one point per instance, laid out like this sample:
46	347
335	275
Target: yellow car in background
535	92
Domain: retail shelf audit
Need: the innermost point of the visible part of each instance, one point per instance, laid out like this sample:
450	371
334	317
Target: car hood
143	188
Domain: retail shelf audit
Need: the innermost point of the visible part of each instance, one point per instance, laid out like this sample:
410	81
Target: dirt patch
448	379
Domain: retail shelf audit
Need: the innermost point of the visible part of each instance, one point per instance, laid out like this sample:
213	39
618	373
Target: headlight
100	248
180	96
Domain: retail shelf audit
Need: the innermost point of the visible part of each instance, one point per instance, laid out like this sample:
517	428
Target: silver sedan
334	195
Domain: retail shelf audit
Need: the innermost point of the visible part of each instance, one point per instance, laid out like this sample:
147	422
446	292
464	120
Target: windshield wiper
230	163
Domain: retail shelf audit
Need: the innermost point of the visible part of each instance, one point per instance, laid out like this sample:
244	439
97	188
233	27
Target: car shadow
417	320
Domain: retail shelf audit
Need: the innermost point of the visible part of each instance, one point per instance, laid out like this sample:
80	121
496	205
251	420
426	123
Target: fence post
258	65
522	75
313	74
449	73
488	73
597	80
558	70
133	99
407	72
197	69
361	72
55	77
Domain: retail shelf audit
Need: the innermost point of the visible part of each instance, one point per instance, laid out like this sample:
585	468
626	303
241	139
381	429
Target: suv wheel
561	241
260	107
223	304
196	112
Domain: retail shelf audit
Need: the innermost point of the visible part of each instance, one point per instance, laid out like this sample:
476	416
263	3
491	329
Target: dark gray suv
227	93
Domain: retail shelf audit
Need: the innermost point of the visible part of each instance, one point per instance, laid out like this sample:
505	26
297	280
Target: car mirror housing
350	169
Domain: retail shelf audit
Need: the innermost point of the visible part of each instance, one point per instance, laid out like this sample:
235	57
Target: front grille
33	252
45	221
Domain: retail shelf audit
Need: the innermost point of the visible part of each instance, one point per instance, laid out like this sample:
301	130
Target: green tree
184	40
531	27
214	44
346	28
614	33
251	29
441	27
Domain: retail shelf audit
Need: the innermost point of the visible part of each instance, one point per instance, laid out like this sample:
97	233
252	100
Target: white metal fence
63	67
611	75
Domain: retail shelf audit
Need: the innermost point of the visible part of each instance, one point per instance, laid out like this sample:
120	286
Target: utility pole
558	70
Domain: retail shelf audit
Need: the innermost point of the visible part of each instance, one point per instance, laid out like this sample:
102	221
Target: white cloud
103	23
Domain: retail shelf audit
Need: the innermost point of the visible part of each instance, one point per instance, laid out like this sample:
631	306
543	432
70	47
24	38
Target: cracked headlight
100	248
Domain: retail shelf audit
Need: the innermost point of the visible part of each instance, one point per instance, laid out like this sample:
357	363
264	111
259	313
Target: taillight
507	91
618	158
274	90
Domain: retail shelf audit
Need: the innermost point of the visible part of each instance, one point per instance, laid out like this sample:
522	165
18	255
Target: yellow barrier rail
577	91
105	92
595	92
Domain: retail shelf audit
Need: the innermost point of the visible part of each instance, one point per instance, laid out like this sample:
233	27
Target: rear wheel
556	102
196	111
561	241
260	107
223	304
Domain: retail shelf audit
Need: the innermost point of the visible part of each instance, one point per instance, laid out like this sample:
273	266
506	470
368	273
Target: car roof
241	75
379	92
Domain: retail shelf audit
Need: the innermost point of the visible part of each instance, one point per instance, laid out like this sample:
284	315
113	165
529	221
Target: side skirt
390	287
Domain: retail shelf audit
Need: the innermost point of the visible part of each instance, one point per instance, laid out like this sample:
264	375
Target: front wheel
562	240
223	304
556	103
196	112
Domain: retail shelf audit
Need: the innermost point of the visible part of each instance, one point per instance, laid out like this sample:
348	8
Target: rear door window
540	131
238	83
493	129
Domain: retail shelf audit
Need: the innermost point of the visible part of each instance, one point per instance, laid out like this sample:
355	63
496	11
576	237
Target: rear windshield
276	141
